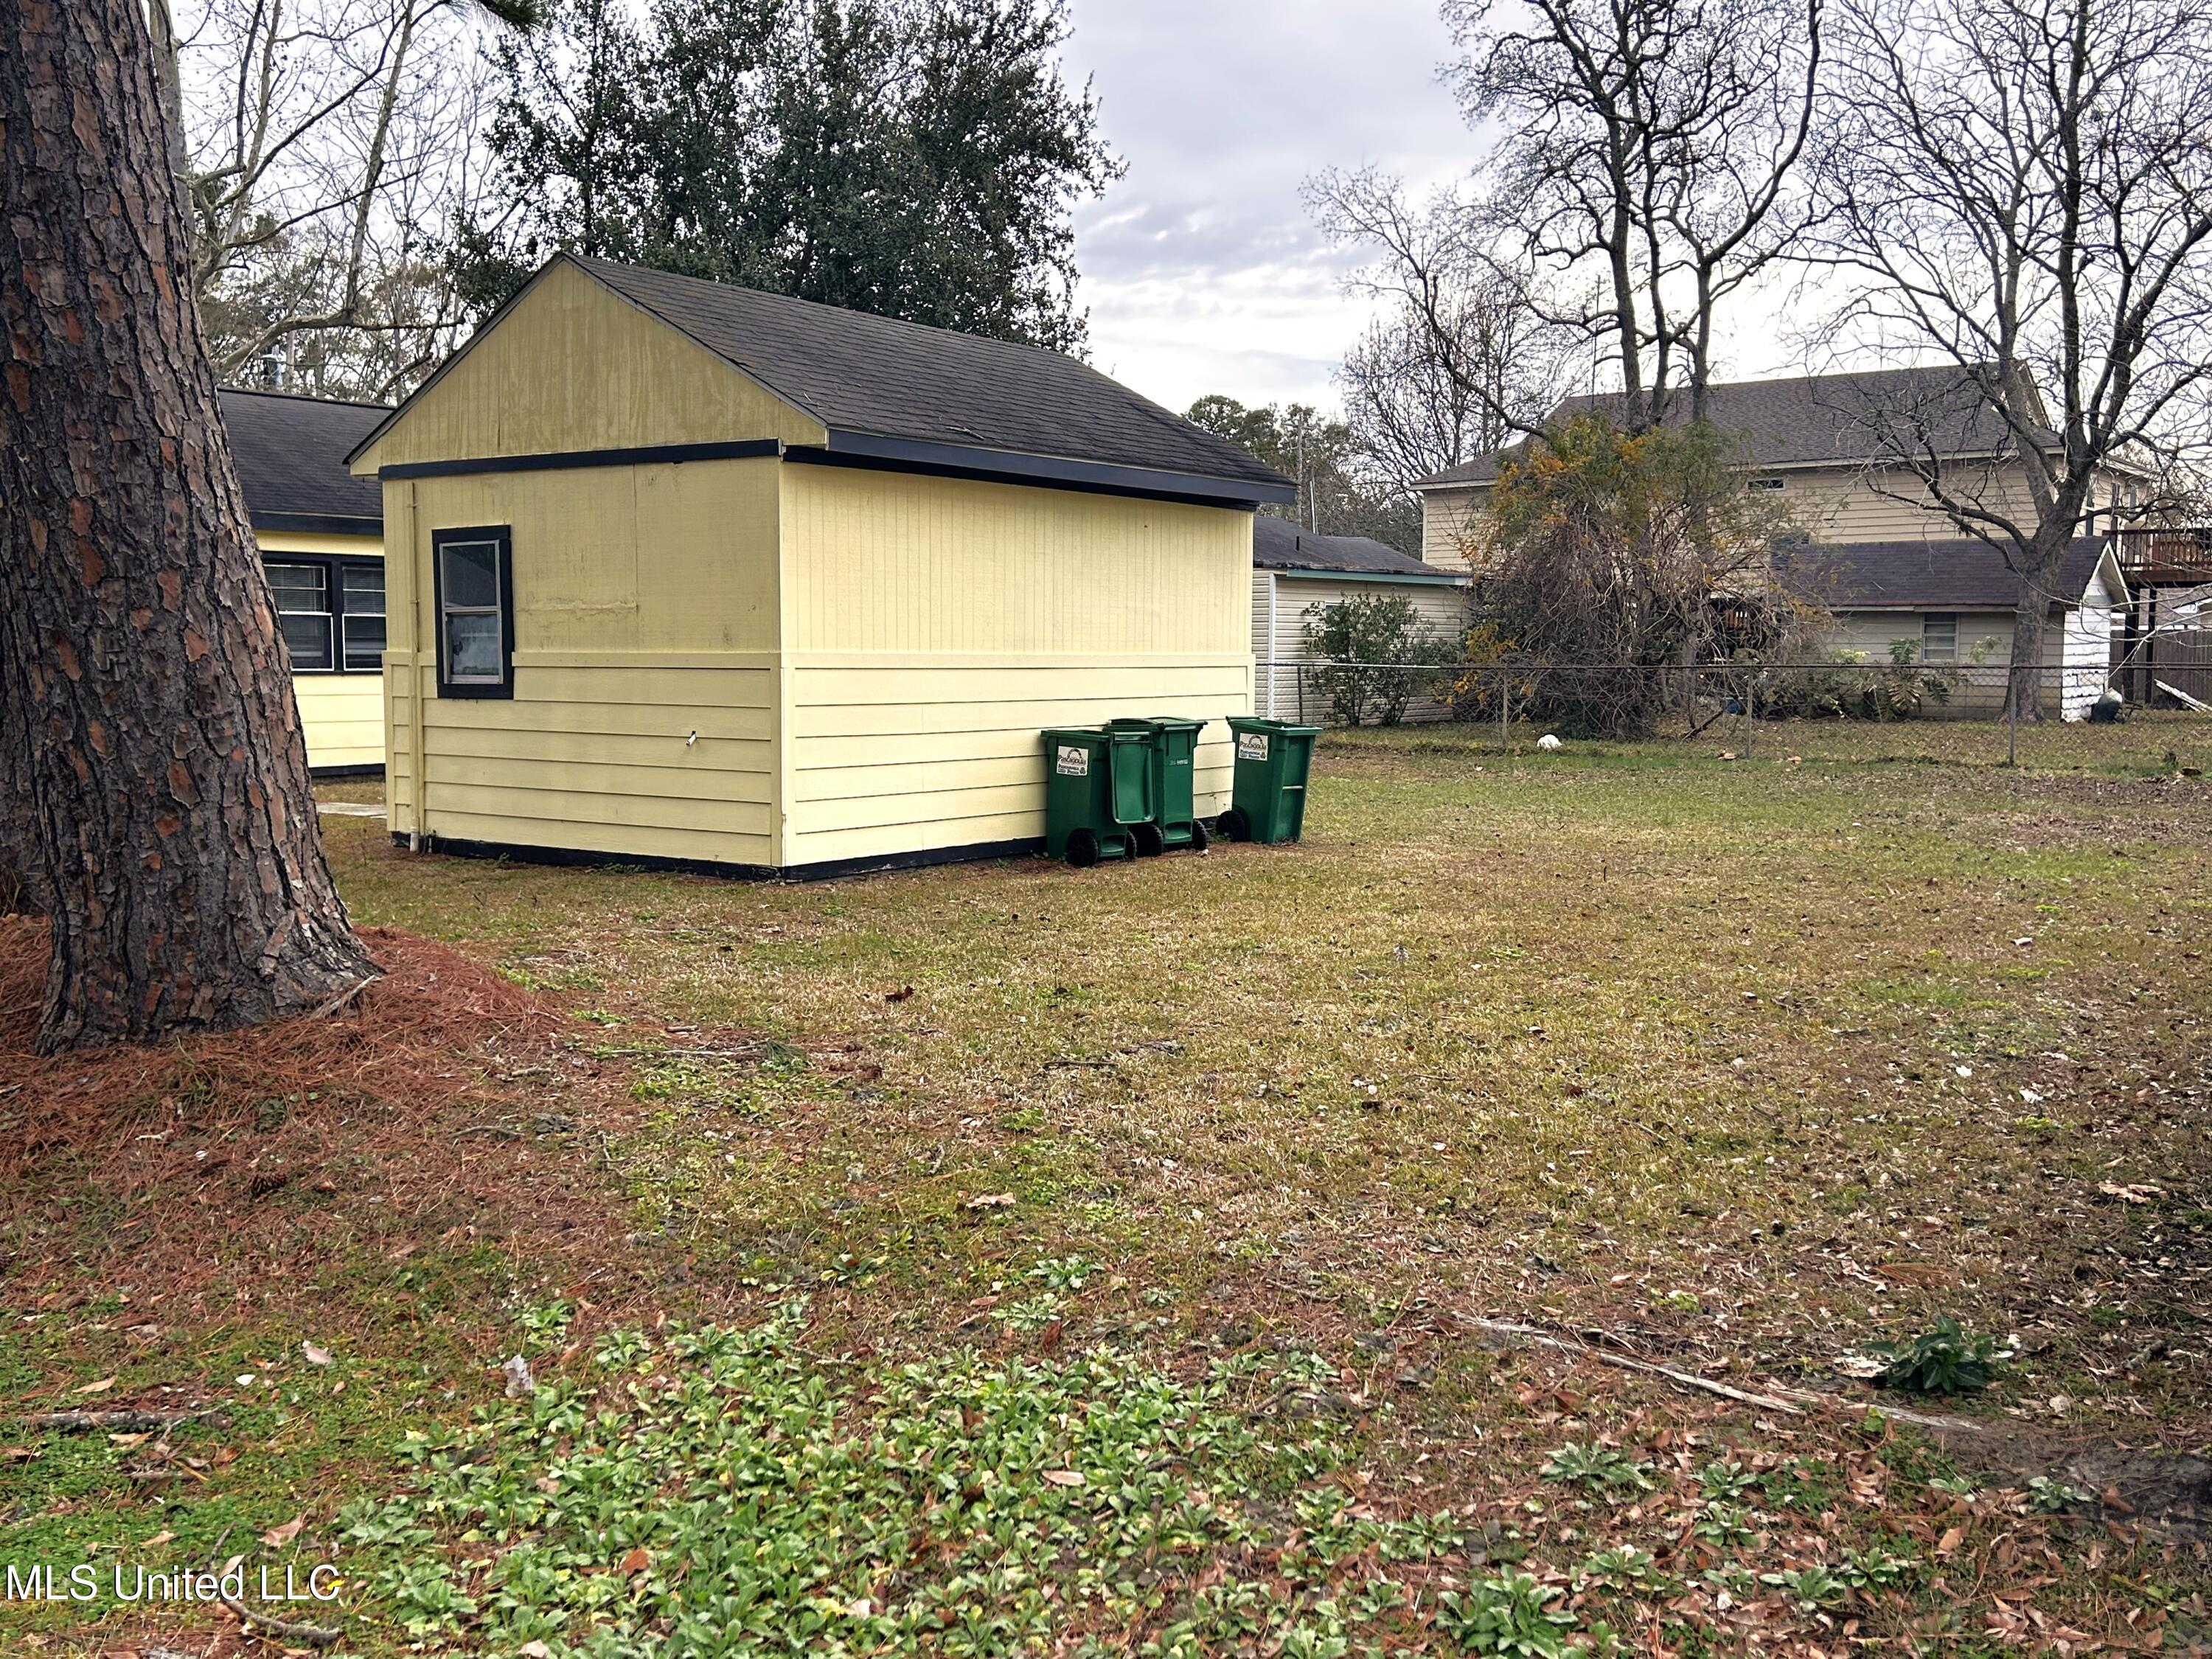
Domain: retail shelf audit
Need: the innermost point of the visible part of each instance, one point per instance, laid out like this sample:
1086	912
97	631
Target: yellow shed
686	572
320	530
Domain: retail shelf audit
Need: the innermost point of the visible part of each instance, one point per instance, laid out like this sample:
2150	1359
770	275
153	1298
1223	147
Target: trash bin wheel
1081	848
1198	836
1235	824
1149	841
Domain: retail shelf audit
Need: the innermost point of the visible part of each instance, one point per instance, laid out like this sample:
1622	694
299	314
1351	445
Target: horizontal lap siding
935	627
644	718
601	758
916	759
342	716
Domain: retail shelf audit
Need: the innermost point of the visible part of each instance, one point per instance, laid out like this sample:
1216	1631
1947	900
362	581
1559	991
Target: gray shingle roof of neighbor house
1926	575
290	451
1814	419
1279	545
900	394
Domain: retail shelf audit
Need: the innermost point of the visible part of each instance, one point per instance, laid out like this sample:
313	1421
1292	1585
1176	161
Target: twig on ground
315	1636
344	997
124	1422
1683	1379
1797	1399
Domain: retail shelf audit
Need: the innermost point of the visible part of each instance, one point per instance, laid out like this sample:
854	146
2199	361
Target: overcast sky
1201	268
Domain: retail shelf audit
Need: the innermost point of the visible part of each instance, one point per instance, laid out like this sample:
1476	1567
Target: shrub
1355	634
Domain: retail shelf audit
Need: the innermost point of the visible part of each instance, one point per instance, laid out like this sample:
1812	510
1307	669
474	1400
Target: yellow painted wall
574	366
341	715
643	718
932	626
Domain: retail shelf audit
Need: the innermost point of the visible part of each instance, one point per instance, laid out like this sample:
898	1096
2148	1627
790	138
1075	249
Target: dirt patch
448	1106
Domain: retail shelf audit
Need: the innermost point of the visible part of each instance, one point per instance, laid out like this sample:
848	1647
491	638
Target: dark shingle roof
859	373
1279	545
1926	575
291	453
1808	419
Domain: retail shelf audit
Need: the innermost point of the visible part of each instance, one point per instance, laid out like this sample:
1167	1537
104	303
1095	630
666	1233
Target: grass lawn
1008	1259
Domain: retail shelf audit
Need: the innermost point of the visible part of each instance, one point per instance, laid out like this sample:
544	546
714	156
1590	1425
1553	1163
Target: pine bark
148	717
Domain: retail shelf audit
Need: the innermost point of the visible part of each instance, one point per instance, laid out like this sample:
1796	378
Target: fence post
1504	711
2012	715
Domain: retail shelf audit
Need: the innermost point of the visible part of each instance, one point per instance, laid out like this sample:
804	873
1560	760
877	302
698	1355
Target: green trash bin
1097	792
1269	801
1172	740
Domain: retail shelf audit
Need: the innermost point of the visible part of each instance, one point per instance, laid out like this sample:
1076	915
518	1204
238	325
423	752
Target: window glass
1939	637
362	625
303	612
472	652
470	575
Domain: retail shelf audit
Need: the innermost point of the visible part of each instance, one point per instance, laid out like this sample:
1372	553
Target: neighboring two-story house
1883	556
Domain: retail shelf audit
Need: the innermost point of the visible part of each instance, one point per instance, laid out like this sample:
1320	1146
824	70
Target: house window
332	612
1764	484
476	613
302	592
1939	637
361	622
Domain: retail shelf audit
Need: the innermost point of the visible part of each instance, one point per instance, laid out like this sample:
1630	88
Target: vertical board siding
643	720
1298	693
934	626
574	366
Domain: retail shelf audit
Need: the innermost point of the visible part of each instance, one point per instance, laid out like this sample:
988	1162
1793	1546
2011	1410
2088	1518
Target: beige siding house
320	530
1882	555
1295	572
686	572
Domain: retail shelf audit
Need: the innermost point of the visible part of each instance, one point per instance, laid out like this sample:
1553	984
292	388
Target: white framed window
1939	636
1765	484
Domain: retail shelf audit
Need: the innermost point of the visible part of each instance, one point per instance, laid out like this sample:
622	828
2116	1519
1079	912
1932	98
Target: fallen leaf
1949	1544
990	1201
224	1457
316	1355
16	1454
636	1561
1064	1477
277	1537
129	1439
158	1539
534	1650
100	1387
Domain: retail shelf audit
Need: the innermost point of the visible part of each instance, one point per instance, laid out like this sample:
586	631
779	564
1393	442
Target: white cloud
1201	268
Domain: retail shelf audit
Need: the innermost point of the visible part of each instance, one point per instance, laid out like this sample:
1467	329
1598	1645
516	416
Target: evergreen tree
917	159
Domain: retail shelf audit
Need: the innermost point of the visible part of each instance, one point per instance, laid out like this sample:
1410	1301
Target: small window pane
472	651
471	573
1939	638
364	590
307	638
364	641
298	586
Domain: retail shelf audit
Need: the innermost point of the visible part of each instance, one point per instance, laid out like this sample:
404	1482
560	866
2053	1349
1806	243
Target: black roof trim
1052	471
316	524
738	449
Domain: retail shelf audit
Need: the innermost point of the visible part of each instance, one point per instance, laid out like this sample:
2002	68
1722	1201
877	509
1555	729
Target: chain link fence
2075	718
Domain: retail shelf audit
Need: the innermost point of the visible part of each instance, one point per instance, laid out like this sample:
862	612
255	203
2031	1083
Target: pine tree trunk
171	828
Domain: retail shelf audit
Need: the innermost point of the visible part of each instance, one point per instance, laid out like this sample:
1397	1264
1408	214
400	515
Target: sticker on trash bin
1073	760
1252	745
